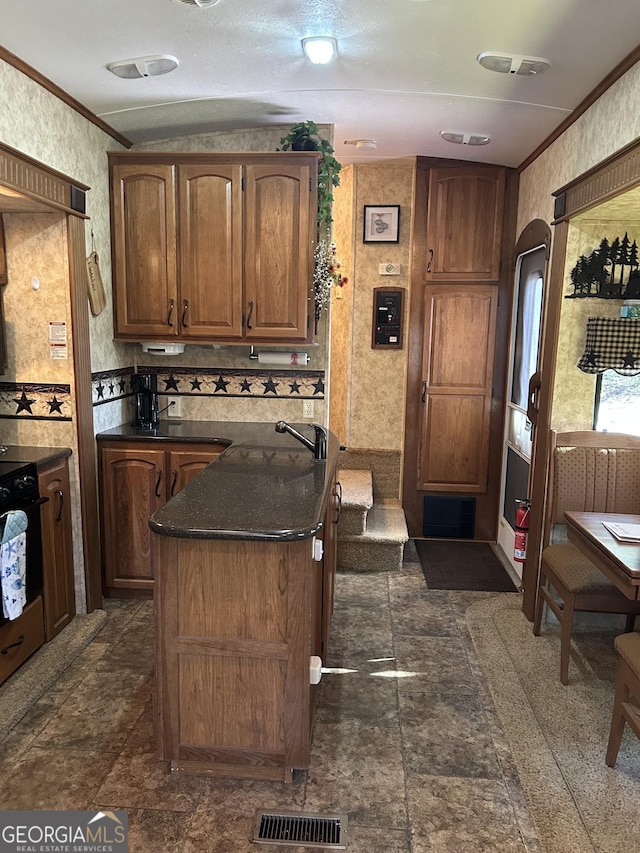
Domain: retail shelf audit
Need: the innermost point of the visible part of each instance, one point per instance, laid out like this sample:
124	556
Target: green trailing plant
304	136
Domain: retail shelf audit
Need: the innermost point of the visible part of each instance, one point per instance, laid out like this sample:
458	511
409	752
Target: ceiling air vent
202	4
143	66
513	64
463	138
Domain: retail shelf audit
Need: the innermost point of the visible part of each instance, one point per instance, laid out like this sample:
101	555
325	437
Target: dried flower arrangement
326	274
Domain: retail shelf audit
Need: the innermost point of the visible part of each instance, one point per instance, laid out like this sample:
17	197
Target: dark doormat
462	565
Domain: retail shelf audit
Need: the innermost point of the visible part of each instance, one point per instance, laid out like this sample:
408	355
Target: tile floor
406	741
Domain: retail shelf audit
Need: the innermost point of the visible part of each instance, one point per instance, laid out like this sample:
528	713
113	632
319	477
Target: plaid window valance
613	343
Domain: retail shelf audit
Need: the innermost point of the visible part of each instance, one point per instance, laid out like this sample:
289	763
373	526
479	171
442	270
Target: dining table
618	560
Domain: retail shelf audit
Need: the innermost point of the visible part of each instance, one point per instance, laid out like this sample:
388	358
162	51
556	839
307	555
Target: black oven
19	490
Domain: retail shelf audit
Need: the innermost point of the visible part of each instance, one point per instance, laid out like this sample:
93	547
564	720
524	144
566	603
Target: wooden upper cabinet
457	377
279	236
214	247
210	240
464	223
144	251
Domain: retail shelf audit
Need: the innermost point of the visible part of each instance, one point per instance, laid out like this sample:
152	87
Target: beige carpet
558	735
36	675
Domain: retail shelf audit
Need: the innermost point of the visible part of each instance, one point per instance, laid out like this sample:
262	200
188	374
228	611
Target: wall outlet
307	408
175	407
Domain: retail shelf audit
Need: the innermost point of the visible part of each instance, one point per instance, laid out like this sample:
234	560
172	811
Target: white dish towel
13	563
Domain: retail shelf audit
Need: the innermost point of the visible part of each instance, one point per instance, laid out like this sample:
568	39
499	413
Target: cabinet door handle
430	260
424	392
338	494
172	305
185	309
18	642
173	482
249	326
158	481
60	495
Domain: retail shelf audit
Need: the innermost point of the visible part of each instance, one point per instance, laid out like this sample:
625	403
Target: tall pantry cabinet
460	302
212	247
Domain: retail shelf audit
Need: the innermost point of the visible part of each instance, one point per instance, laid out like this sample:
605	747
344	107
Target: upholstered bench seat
589	471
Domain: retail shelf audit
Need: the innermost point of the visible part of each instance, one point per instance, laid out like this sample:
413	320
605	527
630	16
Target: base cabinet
57	547
234	638
136	479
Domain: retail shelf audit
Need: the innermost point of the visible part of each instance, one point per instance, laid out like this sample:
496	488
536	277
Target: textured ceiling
406	68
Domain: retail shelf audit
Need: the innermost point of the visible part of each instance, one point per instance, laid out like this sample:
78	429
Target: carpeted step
380	547
357	500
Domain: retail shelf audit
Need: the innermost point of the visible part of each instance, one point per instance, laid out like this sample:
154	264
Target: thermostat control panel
388	315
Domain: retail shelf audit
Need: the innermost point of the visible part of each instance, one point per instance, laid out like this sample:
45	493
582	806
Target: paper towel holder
304	356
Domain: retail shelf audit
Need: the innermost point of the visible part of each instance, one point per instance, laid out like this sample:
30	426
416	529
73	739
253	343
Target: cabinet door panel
210	240
57	547
464	224
184	465
279	230
457	378
144	250
132	488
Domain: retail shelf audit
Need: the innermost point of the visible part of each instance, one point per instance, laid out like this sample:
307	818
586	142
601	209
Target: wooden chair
588	472
626	708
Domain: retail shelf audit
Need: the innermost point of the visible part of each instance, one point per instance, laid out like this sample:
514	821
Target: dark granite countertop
27	453
265	486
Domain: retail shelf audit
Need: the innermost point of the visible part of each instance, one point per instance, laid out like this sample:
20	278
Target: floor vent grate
328	832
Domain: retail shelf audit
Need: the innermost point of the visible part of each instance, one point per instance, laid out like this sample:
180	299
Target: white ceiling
406	69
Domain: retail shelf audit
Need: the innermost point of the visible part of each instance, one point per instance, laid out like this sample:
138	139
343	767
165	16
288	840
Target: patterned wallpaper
378	377
596	135
342	306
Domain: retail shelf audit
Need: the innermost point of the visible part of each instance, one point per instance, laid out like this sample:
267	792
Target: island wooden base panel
235	626
233	771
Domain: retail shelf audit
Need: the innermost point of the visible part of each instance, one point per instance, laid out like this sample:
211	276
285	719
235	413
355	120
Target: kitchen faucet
318	448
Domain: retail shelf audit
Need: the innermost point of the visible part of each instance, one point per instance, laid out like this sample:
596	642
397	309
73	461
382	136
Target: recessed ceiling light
320	50
143	66
464	138
513	64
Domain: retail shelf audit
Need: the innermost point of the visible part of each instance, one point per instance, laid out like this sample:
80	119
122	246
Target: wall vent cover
327	832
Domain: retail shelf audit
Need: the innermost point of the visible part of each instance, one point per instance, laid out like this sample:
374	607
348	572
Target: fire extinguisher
523	512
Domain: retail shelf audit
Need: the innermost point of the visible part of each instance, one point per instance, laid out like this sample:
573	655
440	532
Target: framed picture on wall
381	223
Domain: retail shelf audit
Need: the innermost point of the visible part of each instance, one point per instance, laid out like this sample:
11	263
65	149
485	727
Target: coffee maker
145	396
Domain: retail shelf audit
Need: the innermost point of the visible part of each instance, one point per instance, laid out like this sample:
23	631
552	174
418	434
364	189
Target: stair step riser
353	522
369	556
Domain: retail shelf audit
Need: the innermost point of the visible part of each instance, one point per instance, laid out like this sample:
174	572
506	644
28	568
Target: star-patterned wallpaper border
35	401
259	383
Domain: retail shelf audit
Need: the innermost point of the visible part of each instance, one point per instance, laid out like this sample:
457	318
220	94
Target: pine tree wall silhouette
610	272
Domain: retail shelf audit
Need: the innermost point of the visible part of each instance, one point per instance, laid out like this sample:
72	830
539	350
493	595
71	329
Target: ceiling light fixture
320	50
516	64
143	66
464	138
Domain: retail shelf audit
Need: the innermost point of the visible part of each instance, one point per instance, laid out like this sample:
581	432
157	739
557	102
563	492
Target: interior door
523	376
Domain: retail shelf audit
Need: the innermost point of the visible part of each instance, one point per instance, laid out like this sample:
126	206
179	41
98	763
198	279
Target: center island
244	564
